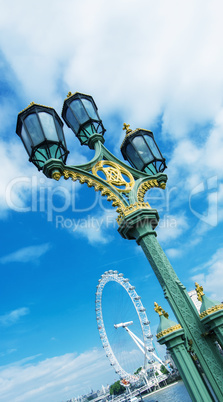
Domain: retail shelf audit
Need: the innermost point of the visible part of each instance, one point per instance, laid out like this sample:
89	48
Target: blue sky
156	65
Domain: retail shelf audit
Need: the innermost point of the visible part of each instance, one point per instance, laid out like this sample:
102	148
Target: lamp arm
55	169
137	174
97	157
143	181
144	184
123	193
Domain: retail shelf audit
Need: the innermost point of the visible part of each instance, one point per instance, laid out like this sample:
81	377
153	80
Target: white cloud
171	227
26	254
54	379
7	352
143	59
209	275
149	60
174	252
167	57
96	228
14	160
14	316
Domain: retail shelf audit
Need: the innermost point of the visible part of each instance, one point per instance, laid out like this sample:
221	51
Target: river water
174	393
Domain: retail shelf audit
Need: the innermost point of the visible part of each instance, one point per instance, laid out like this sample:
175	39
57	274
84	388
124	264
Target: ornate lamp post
211	314
172	335
126	187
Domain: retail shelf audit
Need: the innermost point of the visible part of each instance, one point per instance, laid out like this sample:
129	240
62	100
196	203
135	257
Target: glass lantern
41	131
80	113
142	152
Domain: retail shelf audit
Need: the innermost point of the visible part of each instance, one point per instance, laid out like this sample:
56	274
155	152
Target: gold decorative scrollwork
56	175
114	175
211	310
168	331
131	208
144	187
114	178
82	178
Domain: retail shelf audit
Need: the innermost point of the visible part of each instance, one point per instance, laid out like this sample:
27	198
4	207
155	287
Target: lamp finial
127	128
69	94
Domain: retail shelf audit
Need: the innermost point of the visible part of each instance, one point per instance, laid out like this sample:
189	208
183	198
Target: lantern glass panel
153	146
26	140
143	149
72	120
134	157
43	153
40	156
90	109
34	129
55	151
150	169
79	111
90	128
48	126
60	132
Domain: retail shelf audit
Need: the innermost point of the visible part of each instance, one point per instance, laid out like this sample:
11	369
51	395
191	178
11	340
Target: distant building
197	303
92	396
169	361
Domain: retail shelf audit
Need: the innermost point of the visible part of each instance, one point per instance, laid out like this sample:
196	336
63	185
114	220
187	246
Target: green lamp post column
125	187
140	226
211	315
172	335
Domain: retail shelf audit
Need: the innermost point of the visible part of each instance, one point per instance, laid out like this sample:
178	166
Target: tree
116	388
138	370
163	369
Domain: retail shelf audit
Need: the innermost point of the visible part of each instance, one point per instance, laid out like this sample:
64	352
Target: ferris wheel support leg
142	344
138	342
139	226
134	338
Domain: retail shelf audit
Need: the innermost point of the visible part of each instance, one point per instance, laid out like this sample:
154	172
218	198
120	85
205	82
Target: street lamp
81	114
141	151
41	132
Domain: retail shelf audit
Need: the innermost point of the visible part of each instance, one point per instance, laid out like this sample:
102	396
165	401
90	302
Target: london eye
120	322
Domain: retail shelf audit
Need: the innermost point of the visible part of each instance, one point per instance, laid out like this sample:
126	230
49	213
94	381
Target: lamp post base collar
95	138
53	169
138	223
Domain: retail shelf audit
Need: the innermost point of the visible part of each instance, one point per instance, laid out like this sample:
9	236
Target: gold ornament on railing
199	289
158	309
